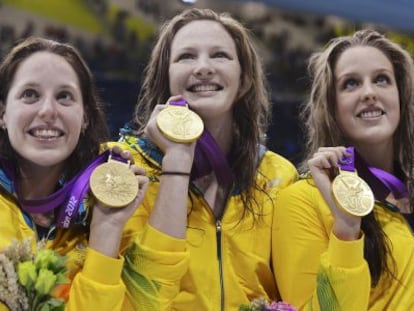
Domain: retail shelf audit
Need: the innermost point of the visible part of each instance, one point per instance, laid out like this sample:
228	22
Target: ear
85	125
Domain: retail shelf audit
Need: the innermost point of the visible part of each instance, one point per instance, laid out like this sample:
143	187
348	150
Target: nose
203	68
369	93
48	109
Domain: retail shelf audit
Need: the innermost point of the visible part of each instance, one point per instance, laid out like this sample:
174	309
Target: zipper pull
218	236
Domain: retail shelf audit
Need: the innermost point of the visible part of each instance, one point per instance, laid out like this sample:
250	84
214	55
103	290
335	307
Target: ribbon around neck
208	156
67	199
391	182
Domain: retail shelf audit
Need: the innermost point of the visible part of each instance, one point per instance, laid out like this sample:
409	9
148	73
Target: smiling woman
331	236
205	227
44	112
51	128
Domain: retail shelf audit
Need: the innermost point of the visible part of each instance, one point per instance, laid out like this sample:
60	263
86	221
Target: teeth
205	88
46	133
371	114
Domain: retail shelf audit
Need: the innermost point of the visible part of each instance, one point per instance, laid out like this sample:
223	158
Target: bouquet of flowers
261	304
28	280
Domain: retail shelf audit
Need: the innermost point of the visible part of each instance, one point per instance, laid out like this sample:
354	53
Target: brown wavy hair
322	129
251	109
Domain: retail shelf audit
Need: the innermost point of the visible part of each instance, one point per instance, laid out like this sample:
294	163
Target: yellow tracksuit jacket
317	271
96	282
222	263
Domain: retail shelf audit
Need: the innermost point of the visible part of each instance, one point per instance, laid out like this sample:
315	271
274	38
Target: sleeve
315	270
154	267
98	286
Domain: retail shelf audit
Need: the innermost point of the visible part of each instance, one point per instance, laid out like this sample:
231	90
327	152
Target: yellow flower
45	281
45	258
27	273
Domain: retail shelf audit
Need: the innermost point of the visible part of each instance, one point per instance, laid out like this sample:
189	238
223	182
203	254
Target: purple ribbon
178	102
68	199
348	163
392	183
208	156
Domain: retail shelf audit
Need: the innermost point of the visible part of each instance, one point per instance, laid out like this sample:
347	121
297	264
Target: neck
222	133
36	182
379	156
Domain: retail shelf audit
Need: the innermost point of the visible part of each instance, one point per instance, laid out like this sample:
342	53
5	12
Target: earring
84	127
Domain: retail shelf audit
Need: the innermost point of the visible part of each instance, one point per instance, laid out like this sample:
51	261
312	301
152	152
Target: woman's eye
382	79
350	84
65	96
185	56
30	94
220	55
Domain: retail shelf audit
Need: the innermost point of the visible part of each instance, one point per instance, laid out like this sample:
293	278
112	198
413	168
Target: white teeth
371	114
205	88
46	133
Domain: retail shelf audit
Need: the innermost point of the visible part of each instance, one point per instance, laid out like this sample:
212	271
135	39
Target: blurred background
116	36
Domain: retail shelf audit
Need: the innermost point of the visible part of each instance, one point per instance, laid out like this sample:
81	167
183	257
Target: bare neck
36	182
380	156
223	135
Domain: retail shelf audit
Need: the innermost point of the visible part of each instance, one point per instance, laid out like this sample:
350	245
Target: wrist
105	239
347	232
175	173
177	161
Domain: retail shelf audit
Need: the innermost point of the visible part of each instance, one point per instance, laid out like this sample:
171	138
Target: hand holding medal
114	184
351	192
119	189
178	123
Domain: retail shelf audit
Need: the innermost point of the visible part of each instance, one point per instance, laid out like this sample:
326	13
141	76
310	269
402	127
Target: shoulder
124	144
274	166
302	198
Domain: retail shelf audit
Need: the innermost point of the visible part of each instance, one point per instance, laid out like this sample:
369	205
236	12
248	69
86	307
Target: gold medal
180	124
114	184
352	193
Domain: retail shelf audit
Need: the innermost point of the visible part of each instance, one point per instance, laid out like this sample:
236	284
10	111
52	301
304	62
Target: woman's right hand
323	166
177	156
153	132
169	214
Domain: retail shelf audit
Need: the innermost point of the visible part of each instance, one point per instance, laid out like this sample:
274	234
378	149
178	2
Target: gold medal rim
178	138
100	196
366	187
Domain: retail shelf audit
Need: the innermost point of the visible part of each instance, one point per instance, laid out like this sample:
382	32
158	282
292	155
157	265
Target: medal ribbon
68	198
348	163
392	183
208	156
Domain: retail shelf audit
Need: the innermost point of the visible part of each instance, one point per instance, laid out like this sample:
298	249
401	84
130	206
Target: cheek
74	122
14	120
343	115
176	83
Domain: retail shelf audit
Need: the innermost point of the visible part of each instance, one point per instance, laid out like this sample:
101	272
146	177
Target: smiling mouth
46	133
371	114
205	88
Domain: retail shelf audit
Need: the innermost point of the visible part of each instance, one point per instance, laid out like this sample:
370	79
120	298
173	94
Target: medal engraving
114	184
353	194
180	124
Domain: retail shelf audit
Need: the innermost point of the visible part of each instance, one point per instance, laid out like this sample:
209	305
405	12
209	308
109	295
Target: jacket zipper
219	240
220	262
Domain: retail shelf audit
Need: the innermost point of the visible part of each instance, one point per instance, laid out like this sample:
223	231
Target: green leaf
53	304
62	279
